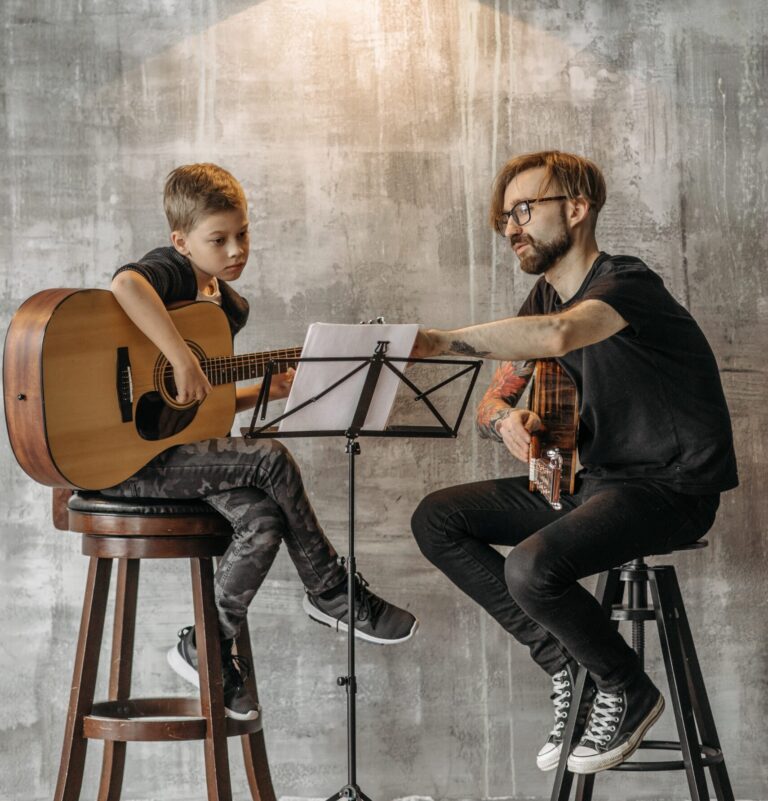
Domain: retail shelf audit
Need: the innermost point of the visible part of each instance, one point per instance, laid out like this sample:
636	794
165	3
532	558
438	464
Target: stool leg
701	707
667	615
83	679
584	785
113	761
254	748
609	591
211	683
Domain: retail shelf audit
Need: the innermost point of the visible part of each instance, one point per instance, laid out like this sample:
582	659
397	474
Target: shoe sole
610	759
180	666
326	620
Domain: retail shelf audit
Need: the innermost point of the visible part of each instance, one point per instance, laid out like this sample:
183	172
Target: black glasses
521	212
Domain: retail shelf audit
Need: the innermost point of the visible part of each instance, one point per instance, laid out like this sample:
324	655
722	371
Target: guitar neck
228	369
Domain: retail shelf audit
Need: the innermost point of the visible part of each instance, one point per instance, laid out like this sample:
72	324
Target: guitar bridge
544	473
124	385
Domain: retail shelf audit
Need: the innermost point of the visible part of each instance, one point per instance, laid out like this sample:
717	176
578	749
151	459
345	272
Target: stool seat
131	529
141	519
98	504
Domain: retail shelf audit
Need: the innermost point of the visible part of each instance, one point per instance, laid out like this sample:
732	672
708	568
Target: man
655	443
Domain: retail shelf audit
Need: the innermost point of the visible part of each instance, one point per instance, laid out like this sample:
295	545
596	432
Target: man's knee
530	572
428	524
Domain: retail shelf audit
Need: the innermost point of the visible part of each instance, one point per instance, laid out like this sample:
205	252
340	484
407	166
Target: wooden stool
130	530
690	704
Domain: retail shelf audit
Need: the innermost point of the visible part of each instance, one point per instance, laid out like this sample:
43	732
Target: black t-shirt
174	280
651	401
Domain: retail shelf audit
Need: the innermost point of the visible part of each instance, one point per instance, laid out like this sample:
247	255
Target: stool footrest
709	756
154	720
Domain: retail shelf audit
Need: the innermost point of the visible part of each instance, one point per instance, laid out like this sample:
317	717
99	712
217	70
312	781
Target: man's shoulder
607	263
623	265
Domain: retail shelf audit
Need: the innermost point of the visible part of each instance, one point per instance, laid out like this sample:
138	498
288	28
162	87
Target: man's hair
195	190
575	176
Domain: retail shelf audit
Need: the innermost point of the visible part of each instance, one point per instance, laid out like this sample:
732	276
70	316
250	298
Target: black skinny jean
534	593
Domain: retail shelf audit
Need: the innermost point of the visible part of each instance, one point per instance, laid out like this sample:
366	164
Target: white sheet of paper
335	411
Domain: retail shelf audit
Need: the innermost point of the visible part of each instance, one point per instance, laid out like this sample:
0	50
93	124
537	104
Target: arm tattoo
458	346
505	390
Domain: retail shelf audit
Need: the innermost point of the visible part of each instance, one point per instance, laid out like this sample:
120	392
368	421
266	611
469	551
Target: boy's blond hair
195	190
575	176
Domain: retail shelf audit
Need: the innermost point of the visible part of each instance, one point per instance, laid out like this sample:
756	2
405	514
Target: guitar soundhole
156	420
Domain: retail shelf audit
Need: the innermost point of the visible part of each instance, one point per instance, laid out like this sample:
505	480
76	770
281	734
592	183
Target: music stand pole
351	791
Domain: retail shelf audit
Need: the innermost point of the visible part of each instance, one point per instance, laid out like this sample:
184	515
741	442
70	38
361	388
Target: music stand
375	364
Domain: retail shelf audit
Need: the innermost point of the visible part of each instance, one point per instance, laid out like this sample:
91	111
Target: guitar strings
227	368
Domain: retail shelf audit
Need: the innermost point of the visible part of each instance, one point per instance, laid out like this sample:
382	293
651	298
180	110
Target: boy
254	484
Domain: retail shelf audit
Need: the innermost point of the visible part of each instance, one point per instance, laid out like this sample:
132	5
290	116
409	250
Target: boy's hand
191	382
281	384
515	431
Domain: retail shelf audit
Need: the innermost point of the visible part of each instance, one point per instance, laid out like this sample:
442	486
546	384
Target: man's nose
512	228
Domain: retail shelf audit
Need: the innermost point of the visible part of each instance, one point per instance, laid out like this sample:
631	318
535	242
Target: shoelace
561	693
236	668
368	606
605	714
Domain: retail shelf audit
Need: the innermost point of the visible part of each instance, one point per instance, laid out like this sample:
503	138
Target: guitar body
88	400
554	456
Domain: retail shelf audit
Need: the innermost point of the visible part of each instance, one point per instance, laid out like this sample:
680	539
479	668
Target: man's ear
578	210
179	241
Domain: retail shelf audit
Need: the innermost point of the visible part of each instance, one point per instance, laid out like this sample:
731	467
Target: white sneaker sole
326	620
188	673
598	762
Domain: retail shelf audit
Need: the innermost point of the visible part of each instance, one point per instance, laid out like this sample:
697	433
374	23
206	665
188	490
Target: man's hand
515	431
425	346
191	382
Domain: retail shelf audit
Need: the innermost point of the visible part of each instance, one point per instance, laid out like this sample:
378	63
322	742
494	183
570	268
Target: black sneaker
376	620
238	701
563	684
616	726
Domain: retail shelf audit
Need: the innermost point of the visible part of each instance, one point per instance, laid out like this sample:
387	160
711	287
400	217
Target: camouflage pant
256	485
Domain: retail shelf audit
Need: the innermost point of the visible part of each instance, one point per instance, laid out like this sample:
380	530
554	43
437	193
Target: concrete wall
366	135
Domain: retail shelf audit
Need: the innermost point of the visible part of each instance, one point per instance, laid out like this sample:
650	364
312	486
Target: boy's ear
179	241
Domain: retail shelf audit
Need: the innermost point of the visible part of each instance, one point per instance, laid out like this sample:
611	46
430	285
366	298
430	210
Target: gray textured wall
366	135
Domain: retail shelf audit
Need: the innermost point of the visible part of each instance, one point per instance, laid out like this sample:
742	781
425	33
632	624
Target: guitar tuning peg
380	320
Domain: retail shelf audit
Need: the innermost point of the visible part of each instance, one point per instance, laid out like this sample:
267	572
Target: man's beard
542	256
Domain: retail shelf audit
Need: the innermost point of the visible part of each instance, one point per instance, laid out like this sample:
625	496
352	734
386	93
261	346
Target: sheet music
335	411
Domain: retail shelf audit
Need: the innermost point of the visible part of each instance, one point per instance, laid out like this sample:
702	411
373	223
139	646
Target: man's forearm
519	338
506	388
513	339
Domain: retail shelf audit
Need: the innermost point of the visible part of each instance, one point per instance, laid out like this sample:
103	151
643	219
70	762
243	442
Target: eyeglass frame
505	215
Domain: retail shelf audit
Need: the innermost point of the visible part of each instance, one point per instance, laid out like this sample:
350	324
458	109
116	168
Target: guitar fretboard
227	369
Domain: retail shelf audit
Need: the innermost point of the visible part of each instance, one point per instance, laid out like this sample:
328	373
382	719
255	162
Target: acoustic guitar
89	400
553	459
